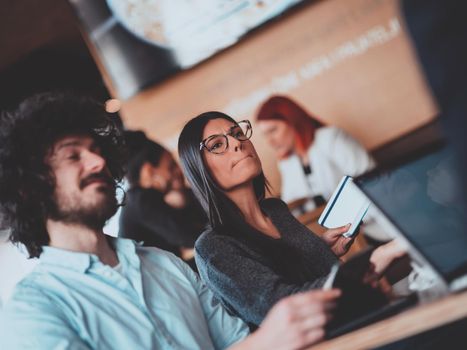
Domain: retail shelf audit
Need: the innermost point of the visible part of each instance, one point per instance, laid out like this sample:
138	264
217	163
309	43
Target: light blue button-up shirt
73	301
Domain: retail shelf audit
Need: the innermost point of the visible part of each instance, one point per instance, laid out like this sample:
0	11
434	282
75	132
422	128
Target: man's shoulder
161	260
156	255
31	290
36	277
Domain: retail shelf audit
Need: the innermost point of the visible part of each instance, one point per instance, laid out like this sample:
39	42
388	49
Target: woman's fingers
314	335
346	243
335	239
338	231
296	321
342	245
313	312
320	296
315	322
314	303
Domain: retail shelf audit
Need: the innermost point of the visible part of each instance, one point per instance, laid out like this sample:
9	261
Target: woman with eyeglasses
255	252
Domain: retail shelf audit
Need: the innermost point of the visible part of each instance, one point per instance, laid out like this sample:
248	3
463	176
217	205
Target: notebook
346	205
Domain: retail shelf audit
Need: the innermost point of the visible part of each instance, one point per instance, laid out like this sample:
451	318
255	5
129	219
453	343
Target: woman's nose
235	144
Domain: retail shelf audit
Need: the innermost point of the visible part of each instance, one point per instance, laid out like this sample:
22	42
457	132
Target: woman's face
238	165
279	135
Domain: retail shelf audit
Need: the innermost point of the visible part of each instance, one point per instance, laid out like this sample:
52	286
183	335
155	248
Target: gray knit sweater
250	271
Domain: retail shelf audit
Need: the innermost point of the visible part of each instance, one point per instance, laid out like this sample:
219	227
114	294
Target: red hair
303	124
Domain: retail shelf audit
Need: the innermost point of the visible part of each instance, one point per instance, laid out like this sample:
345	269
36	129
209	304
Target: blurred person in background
159	209
312	156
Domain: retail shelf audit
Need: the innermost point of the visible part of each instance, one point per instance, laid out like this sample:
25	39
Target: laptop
418	197
421	199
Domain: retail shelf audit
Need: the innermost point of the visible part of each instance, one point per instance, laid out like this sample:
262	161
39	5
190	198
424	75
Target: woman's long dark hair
221	211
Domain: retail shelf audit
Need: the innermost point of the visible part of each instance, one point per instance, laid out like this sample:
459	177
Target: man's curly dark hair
27	135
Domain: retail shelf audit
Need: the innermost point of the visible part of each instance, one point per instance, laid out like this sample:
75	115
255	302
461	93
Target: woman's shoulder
332	139
211	242
328	134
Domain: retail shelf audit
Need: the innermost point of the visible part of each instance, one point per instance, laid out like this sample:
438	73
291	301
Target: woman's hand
338	243
294	322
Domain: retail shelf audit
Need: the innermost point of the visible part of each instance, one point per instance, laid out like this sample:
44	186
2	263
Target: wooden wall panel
349	62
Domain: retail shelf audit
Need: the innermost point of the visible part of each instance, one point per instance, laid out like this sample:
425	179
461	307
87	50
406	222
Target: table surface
410	322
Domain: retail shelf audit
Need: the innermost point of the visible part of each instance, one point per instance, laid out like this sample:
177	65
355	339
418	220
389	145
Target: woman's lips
238	161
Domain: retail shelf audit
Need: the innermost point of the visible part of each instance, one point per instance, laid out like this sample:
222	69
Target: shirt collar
79	261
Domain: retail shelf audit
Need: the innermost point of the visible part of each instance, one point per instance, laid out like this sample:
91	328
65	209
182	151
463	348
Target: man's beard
93	216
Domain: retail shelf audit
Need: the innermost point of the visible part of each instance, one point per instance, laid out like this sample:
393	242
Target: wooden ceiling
41	49
27	25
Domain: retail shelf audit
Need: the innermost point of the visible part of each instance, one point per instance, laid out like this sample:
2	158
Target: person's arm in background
346	152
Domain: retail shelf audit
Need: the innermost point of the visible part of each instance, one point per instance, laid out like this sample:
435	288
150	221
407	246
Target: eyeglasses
219	143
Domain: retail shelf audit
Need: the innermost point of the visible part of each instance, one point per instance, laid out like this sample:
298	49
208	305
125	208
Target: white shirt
71	300
332	155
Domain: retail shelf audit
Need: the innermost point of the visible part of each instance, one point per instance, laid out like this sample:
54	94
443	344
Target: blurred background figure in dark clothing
159	209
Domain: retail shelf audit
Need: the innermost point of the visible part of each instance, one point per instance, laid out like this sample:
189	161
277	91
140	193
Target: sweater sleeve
244	283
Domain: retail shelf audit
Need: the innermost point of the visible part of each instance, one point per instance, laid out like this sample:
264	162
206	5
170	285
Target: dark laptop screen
422	197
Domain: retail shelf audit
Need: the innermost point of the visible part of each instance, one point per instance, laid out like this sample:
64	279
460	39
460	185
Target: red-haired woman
313	157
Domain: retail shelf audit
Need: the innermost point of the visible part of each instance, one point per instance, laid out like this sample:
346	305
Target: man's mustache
96	177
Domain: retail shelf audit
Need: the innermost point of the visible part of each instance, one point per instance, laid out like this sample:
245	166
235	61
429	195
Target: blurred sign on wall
141	42
349	62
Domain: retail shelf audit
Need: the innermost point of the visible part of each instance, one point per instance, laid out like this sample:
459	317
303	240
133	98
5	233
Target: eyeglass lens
219	143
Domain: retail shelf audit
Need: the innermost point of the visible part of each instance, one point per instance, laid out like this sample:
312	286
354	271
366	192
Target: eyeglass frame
202	144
